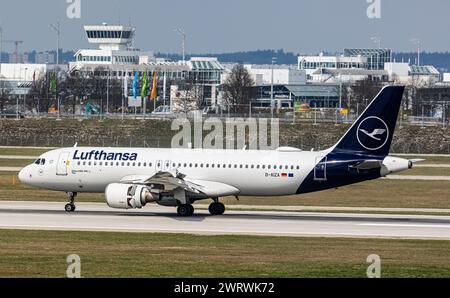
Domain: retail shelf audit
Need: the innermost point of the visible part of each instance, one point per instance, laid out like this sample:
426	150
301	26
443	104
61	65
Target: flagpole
124	92
144	97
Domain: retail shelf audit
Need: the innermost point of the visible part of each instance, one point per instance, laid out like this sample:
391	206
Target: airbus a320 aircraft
132	178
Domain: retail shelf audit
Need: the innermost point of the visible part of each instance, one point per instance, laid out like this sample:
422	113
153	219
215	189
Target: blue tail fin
373	131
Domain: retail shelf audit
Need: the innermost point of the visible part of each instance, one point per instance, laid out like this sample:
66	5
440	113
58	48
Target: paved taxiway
99	217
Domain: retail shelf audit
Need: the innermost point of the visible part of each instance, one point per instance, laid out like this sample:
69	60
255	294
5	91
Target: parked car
162	110
12	114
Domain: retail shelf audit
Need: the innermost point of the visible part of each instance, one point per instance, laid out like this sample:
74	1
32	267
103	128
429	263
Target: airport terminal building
116	57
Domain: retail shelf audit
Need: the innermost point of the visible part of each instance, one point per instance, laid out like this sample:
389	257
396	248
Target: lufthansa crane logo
372	133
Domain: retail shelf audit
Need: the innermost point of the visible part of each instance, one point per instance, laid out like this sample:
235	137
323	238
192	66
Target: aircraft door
320	171
63	163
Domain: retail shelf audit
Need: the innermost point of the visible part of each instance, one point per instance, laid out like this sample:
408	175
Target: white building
412	74
262	74
115	47
282	74
312	63
446	77
19	77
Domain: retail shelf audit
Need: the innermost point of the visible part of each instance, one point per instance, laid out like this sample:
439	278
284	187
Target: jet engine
394	165
129	196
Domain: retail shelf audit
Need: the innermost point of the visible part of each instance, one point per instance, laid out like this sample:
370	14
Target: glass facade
376	58
110	34
94	58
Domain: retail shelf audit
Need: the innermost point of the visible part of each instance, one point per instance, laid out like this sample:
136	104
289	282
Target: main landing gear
185	210
216	208
70	207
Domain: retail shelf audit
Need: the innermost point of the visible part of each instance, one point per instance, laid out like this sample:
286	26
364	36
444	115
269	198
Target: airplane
131	178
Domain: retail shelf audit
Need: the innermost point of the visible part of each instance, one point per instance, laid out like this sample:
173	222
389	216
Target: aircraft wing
173	181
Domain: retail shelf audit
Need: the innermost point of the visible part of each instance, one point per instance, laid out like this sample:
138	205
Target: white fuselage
261	173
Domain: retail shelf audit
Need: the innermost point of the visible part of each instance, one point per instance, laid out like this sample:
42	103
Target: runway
155	219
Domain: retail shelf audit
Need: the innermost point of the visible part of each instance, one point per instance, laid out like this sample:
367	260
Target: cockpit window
40	162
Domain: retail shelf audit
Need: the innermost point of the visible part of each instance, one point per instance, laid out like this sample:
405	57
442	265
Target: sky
221	26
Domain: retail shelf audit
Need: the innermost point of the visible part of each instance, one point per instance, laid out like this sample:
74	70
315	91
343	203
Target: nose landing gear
216	208
70	207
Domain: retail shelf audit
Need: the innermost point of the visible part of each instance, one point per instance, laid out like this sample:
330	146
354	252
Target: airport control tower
115	46
110	37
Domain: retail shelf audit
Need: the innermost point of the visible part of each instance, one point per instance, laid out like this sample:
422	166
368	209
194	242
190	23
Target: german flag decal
286	175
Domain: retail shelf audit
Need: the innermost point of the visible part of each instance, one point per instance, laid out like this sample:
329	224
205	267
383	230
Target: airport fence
398	146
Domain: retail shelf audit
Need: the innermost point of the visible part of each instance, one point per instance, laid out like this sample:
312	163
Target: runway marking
417	177
406	225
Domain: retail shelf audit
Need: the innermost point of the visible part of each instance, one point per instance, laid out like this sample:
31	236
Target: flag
144	86
155	78
53	82
135	82
164	86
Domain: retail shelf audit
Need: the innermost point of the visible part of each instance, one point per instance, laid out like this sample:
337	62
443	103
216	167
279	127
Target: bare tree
188	96
5	94
238	91
363	91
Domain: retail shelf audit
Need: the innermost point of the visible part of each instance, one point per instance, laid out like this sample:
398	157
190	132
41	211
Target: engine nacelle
129	196
394	165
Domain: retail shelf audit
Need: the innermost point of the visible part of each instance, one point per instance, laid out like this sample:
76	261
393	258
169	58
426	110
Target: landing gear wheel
185	210
216	209
70	207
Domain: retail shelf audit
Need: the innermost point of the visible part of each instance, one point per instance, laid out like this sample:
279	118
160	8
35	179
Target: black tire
191	210
185	210
70	207
216	209
212	209
221	208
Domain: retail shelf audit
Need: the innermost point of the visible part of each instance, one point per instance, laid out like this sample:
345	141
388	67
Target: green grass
427	172
429	159
43	254
23	151
15	162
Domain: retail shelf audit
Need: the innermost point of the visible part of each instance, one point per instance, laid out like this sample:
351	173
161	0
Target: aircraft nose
24	175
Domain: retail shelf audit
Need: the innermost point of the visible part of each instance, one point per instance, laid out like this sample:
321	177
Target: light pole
25	93
107	92
1	50
377	40
57	28
274	60
416	41
183	45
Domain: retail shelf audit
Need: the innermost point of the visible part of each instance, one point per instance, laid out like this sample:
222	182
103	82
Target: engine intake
129	196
